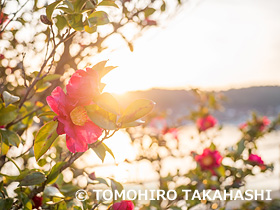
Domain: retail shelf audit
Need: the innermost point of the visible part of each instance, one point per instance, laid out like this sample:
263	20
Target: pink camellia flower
173	131
123	205
83	86
264	123
209	159
255	160
150	22
73	121
205	123
159	124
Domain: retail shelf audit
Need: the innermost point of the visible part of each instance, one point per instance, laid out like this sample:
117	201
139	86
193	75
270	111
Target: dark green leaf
33	179
10	137
55	171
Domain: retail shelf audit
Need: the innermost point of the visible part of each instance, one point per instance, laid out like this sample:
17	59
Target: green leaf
102	181
101	150
136	110
6	203
101	117
90	29
55	171
9	98
4	146
133	124
34	178
98	18
50	8
107	102
78	5
116	186
240	147
10	136
221	171
149	11
108	3
42	85
101	69
76	21
8	114
52	77
48	113
44	138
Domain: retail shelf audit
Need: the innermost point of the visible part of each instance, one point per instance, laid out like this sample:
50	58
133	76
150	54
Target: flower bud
44	19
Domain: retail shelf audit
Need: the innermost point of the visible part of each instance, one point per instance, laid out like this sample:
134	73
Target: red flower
2	56
3	17
173	131
205	123
159	124
123	205
83	86
264	123
150	22
255	160
73	121
209	159
38	201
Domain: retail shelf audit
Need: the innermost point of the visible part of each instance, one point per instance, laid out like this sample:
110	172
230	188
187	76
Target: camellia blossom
209	159
158	124
38	201
255	159
73	121
83	86
123	205
205	123
264	123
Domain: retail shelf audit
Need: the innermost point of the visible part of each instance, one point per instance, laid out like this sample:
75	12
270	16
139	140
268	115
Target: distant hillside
239	104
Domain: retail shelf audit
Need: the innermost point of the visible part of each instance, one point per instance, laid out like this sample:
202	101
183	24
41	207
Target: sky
210	44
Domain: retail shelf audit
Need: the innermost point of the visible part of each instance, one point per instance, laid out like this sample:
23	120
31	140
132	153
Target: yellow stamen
79	116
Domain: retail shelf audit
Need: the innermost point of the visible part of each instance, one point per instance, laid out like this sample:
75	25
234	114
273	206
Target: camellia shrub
212	167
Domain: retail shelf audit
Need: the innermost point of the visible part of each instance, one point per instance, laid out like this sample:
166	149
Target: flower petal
75	146
88	133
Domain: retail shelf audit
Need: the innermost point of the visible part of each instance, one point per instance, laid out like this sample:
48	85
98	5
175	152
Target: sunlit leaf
48	113
4	145
101	117
108	3
107	102
149	11
116	186
9	98
33	179
52	77
136	110
50	8
98	18
76	21
44	138
133	124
